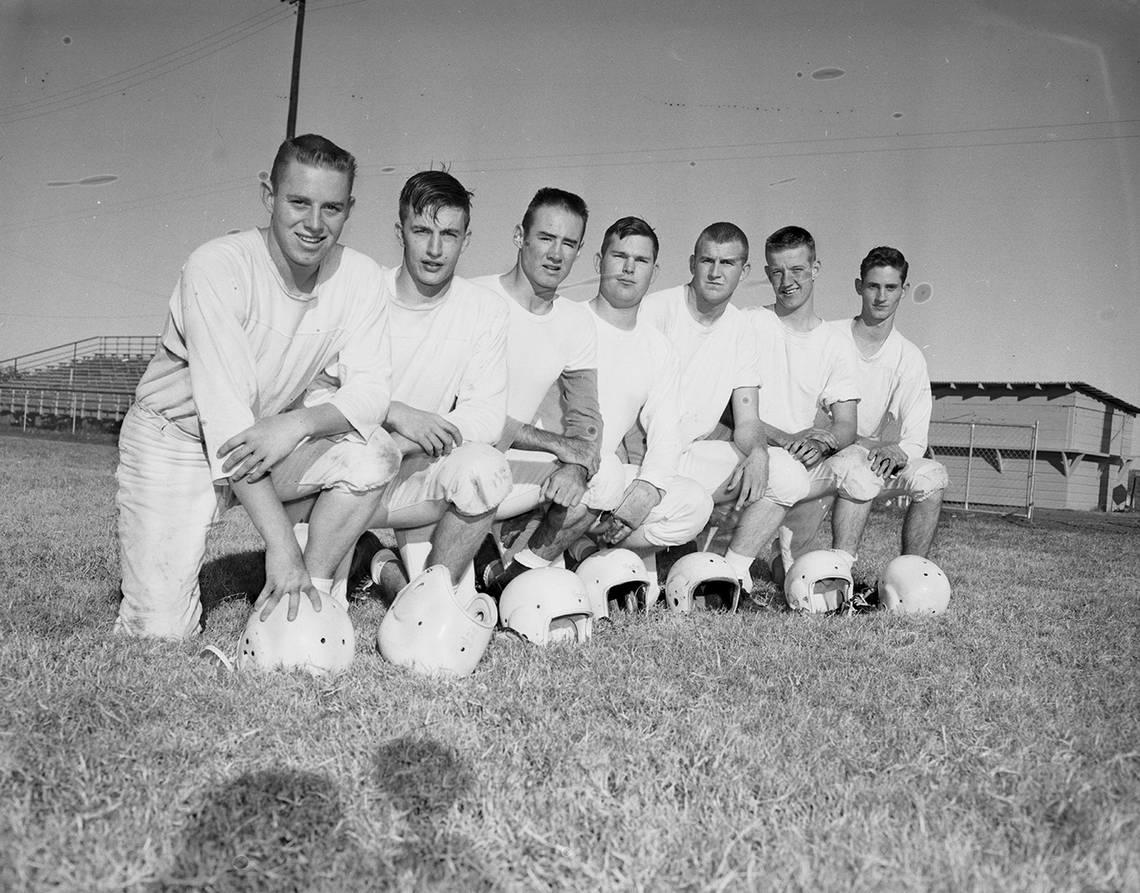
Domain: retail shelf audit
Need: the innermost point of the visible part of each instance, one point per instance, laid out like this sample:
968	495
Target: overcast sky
997	143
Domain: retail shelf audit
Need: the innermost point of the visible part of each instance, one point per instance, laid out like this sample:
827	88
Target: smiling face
549	246
307	211
880	290
626	268
432	242
792	272
717	269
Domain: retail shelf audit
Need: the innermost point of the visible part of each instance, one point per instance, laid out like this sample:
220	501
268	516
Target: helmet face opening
701	581
831	593
570	628
715	595
627	596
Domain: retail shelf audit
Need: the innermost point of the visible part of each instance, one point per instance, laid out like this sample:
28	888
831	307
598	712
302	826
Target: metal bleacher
87	384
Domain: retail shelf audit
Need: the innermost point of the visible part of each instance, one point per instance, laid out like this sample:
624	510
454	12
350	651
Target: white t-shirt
804	372
714	360
450	356
894	386
239	346
541	348
638	377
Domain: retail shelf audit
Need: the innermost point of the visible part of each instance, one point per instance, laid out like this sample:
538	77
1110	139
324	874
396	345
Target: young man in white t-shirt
638	383
449	389
552	340
809	401
887	459
220	414
720	366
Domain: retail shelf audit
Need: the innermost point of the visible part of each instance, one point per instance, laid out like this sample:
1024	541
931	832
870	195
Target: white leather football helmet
547	605
429	631
319	642
619	576
911	584
819	582
702	581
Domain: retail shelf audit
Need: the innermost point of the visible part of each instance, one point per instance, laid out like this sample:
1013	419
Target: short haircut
316	151
723	233
428	191
550	196
884	256
790	237
630	226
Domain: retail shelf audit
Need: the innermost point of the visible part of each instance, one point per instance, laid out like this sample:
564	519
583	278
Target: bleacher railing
98	345
54	388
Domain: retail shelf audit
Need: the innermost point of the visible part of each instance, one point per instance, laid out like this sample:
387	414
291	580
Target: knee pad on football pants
350	464
681	514
788	480
604	491
922	478
475	478
854	478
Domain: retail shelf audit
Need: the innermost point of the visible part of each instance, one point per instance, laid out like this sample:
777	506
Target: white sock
328	589
528	559
650	562
742	565
415	558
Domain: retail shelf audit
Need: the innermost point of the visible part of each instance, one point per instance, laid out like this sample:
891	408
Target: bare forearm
571	450
260	500
777	436
749	435
322	420
844	423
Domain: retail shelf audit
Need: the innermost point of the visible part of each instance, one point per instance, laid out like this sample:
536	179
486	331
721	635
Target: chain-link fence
991	465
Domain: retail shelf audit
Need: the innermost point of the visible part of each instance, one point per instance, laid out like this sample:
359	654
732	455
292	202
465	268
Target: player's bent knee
475	478
788	480
354	466
681	515
854	478
925	480
605	489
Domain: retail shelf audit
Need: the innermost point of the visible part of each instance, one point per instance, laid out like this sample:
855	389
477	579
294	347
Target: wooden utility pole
294	84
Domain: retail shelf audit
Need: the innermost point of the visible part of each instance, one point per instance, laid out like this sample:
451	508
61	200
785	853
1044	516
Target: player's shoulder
490	282
356	266
578	316
241	248
761	322
662	305
357	260
480	293
574	309
835	331
910	351
664	297
649	334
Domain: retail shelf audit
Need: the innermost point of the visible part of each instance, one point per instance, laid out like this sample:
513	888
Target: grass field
996	747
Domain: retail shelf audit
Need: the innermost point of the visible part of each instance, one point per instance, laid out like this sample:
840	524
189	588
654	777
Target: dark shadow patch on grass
237	575
275	829
423	779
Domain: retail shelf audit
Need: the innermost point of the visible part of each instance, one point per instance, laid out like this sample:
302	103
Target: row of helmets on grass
432	630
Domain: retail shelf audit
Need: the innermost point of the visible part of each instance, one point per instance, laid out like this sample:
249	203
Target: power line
144	71
641	157
153	68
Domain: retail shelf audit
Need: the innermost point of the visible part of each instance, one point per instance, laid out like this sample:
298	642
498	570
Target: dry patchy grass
995	747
